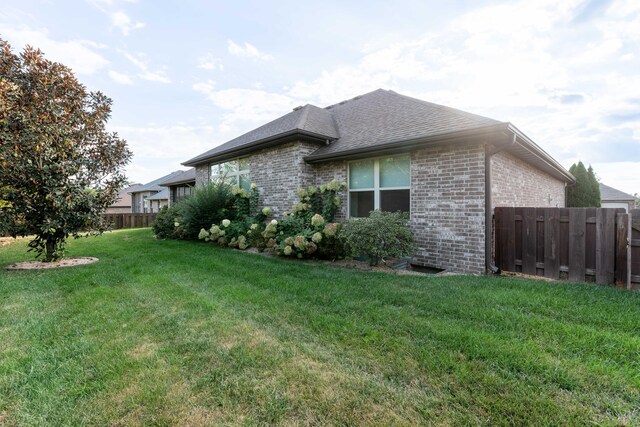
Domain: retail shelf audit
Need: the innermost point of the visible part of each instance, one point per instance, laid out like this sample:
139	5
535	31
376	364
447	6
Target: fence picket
551	243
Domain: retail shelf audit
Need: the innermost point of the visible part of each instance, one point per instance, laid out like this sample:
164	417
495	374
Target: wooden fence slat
130	220
551	243
577	225
529	233
605	246
623	250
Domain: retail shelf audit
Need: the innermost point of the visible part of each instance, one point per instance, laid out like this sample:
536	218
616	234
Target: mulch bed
39	265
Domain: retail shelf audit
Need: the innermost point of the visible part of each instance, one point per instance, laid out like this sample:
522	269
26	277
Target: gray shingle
309	118
183	177
161	195
384	116
155	184
612	194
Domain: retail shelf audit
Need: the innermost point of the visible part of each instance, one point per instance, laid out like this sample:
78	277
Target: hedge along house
446	167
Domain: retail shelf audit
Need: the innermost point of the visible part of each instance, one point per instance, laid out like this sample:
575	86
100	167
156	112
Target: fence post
623	249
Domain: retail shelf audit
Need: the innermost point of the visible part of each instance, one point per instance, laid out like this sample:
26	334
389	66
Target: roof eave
405	145
545	157
296	134
183	181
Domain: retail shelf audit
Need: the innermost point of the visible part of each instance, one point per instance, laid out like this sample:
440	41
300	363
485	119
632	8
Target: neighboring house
158	200
446	167
180	186
123	202
139	195
613	198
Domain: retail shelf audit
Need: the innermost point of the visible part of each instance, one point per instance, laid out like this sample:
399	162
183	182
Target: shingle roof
161	195
155	184
182	178
123	200
308	119
383	117
611	194
379	121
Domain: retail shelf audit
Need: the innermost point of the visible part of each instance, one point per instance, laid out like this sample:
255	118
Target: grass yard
167	332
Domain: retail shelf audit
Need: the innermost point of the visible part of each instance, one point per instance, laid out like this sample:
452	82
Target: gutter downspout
488	210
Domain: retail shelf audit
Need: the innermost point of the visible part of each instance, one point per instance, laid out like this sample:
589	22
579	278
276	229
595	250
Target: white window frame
376	183
236	174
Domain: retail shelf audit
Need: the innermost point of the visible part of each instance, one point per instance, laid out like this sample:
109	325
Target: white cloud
565	84
210	62
246	108
80	55
123	79
247	50
159	75
121	20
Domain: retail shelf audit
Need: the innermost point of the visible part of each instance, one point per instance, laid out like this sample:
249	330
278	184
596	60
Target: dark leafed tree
585	192
59	167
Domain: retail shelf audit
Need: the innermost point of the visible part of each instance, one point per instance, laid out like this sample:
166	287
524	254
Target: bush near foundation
380	235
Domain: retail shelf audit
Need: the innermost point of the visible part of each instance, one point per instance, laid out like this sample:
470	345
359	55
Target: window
234	172
379	184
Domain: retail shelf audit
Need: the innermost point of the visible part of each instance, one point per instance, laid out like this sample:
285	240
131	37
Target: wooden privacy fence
580	244
130	220
634	264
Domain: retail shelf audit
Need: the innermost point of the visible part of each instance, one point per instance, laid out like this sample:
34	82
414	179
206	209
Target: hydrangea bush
305	231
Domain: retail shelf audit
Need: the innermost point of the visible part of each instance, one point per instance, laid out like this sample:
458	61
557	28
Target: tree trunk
50	250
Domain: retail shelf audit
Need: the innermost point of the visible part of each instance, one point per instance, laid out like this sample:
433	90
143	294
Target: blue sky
187	76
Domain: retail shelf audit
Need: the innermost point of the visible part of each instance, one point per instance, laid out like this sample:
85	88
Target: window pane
245	182
360	203
243	164
215	171
394	200
394	172
231	180
361	174
228	168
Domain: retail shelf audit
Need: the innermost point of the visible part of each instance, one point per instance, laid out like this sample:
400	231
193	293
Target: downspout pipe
488	209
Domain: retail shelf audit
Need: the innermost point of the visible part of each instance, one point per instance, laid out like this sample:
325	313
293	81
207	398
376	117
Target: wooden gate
579	244
634	264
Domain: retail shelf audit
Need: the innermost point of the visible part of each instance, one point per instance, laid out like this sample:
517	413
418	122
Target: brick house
446	167
151	197
179	186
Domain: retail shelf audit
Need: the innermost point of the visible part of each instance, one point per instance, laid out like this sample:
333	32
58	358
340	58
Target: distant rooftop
611	194
155	184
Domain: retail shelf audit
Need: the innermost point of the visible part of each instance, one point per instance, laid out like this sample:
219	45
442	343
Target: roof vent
298	107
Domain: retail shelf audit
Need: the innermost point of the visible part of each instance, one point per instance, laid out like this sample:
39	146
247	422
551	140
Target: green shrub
302	233
208	205
166	225
381	234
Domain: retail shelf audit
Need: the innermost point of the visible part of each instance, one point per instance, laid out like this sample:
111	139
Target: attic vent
297	108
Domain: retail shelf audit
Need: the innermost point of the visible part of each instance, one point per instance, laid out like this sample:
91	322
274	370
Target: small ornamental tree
59	167
585	192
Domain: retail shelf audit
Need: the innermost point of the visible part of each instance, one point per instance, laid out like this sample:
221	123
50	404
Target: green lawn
167	332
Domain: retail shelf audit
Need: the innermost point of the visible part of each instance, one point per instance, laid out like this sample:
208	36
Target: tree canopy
585	192
59	166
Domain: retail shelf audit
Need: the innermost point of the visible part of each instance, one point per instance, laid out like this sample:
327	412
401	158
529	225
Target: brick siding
447	194
325	173
279	171
516	183
447	207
